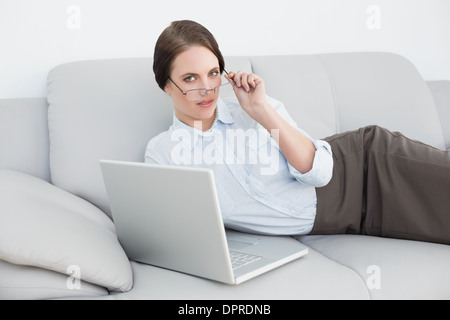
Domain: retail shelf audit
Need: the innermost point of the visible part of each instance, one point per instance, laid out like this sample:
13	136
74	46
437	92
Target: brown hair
175	39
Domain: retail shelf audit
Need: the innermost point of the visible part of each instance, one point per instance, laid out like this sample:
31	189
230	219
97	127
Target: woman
272	177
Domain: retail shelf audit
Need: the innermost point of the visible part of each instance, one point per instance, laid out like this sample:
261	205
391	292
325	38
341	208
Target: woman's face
195	68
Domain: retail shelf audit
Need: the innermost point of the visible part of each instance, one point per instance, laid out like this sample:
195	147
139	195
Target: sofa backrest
331	93
24	136
110	109
106	109
440	90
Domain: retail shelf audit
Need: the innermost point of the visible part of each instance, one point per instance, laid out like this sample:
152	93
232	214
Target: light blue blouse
259	191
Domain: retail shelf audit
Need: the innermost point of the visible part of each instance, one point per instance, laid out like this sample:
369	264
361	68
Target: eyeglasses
198	94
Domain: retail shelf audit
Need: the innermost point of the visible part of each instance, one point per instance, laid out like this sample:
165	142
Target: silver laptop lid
162	222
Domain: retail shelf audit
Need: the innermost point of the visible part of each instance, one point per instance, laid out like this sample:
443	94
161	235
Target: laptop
169	217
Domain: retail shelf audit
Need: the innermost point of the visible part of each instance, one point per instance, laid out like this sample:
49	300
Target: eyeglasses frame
200	89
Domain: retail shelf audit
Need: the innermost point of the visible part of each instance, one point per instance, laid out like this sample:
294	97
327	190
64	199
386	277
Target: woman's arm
250	91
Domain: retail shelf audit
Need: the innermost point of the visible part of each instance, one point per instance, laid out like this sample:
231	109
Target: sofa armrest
441	94
24	143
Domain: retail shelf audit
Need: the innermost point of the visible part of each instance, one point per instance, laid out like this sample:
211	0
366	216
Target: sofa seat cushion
18	282
391	268
311	277
46	227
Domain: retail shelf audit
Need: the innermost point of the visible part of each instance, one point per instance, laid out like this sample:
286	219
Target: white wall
36	35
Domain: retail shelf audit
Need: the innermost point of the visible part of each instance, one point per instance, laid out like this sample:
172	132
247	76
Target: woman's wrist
266	116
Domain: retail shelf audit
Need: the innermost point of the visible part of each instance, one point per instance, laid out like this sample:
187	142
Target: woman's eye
214	73
189	79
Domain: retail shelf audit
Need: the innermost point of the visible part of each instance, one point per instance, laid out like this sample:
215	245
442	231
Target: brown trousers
387	185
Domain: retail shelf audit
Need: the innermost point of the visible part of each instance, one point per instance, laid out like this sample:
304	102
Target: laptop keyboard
239	259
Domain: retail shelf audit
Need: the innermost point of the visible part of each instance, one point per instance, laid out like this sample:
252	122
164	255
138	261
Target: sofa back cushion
332	93
303	85
24	136
441	94
384	89
107	109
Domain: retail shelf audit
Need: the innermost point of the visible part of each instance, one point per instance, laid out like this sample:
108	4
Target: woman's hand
251	93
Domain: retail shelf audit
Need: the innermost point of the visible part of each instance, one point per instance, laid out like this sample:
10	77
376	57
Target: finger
237	79
231	77
228	77
244	81
252	80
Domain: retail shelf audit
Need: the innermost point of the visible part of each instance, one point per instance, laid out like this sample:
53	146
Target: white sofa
57	240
